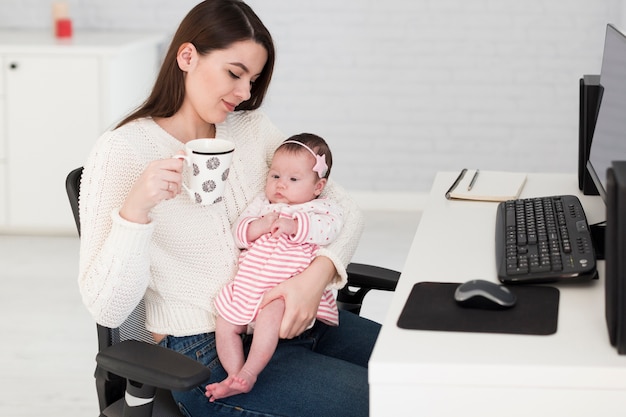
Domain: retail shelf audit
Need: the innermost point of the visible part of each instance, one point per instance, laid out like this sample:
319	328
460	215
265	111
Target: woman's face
216	83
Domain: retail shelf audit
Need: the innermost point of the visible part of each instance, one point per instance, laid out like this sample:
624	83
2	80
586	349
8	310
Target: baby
280	233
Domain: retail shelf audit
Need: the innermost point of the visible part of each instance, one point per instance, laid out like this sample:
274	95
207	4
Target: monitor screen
609	137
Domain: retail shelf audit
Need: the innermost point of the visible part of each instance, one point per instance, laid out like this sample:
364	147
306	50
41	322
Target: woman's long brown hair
210	25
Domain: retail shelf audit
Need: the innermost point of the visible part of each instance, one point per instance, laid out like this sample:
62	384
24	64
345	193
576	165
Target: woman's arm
341	250
302	295
114	268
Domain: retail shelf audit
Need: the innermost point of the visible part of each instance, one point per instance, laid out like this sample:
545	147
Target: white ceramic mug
208	165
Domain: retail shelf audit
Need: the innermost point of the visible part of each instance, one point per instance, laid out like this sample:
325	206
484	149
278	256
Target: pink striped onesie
269	261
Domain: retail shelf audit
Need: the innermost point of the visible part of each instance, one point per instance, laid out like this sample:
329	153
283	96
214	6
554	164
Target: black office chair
134	376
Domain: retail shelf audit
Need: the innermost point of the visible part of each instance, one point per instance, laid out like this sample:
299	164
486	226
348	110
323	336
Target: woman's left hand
302	294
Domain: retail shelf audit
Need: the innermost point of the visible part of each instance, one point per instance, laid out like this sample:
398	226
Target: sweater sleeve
114	269
341	250
240	228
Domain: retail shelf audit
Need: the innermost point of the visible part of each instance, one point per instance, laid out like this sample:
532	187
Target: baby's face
291	178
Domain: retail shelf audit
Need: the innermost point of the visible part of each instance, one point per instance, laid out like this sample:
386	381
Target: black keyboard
544	239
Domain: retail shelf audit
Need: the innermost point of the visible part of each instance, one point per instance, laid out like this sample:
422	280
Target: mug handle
188	162
183	157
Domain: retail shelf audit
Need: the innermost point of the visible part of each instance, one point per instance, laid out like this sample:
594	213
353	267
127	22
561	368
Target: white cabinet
56	98
3	179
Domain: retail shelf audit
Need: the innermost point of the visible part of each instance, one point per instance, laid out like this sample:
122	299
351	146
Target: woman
142	238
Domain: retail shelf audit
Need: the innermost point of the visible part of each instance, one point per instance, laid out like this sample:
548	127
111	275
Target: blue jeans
323	372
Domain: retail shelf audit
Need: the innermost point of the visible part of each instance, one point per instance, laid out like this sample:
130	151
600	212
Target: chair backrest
110	387
72	186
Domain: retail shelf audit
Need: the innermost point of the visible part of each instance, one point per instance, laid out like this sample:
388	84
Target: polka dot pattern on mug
208	186
213	163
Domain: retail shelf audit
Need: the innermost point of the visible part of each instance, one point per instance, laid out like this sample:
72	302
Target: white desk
574	372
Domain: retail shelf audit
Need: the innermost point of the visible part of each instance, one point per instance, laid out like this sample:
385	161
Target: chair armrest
152	365
361	279
372	277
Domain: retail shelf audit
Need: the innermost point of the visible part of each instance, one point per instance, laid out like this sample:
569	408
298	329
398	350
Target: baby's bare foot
239	384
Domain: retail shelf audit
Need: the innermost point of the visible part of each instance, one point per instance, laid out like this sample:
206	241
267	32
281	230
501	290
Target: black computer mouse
479	293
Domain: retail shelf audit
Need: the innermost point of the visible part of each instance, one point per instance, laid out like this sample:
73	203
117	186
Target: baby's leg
263	346
229	345
229	350
265	338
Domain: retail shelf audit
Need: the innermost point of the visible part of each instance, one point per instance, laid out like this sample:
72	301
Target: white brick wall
404	88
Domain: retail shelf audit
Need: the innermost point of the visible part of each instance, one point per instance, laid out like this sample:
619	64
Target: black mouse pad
431	306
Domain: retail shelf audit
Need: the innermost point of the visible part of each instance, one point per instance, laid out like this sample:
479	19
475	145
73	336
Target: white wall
404	88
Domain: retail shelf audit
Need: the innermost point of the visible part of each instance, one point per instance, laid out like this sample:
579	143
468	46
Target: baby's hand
284	225
261	226
269	219
265	223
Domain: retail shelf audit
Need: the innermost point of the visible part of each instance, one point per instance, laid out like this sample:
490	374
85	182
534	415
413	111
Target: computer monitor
609	137
607	168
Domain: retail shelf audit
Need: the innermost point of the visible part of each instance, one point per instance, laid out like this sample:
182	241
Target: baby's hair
314	142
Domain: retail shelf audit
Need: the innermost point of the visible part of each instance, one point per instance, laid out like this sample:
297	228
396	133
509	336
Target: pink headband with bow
320	160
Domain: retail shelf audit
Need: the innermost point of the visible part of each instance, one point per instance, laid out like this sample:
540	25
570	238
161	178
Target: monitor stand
597	238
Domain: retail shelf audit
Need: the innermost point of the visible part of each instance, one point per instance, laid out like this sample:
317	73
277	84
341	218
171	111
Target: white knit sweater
182	258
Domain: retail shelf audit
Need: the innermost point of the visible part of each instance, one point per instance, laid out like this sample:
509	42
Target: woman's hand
161	180
302	294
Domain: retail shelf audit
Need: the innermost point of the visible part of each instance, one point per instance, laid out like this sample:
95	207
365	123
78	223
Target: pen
471	184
